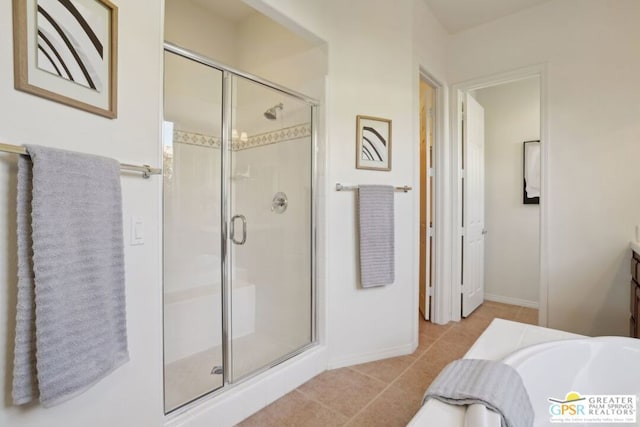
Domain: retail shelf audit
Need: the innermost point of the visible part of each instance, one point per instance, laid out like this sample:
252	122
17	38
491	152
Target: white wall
271	51
372	70
592	105
192	26
132	395
430	41
256	44
364	39
511	116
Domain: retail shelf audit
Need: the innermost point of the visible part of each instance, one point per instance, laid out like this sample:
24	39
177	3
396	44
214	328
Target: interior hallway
386	392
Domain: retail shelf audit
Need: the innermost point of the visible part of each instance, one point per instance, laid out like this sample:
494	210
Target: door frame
429	201
440	303
457	95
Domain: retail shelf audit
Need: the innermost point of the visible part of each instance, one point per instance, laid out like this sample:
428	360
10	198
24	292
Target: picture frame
373	143
531	172
66	51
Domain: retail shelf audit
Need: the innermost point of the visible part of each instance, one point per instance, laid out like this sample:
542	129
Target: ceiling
454	15
460	15
231	10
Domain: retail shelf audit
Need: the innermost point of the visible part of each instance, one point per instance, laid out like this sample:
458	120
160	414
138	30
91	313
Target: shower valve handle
233	229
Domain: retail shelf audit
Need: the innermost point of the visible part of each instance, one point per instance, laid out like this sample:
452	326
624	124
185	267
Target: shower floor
190	377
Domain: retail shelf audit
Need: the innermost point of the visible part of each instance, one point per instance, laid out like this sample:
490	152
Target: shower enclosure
238	226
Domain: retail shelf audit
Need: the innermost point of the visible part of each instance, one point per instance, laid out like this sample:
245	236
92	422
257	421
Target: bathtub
193	318
501	339
569	381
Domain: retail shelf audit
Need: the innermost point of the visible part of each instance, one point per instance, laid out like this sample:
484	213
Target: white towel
70	323
532	169
376	218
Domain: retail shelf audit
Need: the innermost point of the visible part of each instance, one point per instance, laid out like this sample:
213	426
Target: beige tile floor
386	392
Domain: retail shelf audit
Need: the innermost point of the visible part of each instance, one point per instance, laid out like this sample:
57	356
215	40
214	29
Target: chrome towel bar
146	170
340	187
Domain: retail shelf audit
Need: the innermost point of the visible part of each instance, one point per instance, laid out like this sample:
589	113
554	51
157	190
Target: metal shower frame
227	341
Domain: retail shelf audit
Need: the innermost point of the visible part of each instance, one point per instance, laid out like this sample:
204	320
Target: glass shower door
270	231
238	244
192	230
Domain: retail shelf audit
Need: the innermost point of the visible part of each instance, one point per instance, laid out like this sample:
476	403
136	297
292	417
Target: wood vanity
635	295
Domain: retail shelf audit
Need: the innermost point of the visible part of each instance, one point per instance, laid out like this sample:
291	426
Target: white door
473	247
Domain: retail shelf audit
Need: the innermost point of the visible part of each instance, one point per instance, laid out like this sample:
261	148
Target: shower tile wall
192	216
277	255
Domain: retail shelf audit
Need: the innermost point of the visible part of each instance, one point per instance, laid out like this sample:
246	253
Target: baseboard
510	300
357	359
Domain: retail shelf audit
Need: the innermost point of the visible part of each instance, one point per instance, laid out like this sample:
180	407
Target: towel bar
340	187
146	170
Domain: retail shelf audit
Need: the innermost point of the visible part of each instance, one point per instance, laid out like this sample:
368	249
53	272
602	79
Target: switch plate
137	231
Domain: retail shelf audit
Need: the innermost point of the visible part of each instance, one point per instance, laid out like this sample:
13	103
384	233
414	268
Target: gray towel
376	218
70	323
497	386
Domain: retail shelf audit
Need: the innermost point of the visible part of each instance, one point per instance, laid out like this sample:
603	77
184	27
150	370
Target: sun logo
568	406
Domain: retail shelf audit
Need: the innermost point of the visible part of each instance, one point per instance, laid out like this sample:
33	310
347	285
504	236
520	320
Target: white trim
510	300
457	92
415	242
545	197
386	353
455	186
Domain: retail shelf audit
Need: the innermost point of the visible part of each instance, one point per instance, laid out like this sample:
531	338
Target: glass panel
270	215
192	262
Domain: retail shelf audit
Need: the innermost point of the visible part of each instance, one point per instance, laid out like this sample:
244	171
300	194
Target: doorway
427	199
501	239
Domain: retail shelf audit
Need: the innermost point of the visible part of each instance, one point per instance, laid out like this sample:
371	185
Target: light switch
137	231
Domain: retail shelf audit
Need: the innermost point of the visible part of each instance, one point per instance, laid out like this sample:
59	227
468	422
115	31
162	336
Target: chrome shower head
271	113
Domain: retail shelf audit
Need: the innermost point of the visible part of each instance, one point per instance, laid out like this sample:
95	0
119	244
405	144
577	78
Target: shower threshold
193	375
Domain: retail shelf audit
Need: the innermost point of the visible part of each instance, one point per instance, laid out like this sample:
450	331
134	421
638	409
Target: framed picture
66	51
373	143
531	167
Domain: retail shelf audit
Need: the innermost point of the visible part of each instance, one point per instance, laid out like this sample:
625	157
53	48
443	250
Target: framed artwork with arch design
373	143
66	51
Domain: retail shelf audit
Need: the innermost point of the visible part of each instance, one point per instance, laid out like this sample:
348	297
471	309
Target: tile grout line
350	420
396	378
374	378
324	405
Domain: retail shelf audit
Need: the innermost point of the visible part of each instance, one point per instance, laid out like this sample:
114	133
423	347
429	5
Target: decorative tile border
192	138
267	138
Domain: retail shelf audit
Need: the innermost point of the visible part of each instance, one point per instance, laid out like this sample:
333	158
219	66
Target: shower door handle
244	229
